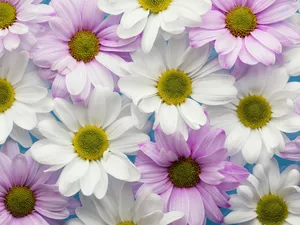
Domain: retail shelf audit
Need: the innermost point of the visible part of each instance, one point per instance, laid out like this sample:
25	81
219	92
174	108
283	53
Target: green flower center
241	21
184	173
155	6
272	210
90	142
20	201
254	111
7	95
84	46
174	87
126	223
8	15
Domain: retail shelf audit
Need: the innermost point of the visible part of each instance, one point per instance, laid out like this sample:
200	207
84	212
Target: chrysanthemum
267	197
119	207
191	176
83	48
250	31
91	144
22	96
19	22
255	120
171	79
152	17
28	195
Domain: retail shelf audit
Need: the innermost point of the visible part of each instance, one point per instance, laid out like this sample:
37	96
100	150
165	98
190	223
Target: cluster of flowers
86	84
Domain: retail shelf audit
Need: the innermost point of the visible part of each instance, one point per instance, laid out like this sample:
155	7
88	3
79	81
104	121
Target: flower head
90	144
267	197
172	79
81	49
191	176
250	32
28	195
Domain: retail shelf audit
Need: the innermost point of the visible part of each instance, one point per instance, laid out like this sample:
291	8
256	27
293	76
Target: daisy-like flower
255	121
119	207
22	96
28	195
83	47
267	197
247	31
171	79
191	176
19	22
152	17
91	144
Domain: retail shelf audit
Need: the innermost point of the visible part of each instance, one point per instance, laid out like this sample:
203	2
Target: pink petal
267	40
200	37
224	5
226	43
11	41
213	19
245	56
228	60
259	5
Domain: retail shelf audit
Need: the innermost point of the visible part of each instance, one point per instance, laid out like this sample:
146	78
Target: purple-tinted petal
259	5
197	212
179	201
220	198
213	19
10	148
245	56
292	150
19	169
267	40
211	177
226	43
153	152
200	37
227	61
213	157
226	6
59	88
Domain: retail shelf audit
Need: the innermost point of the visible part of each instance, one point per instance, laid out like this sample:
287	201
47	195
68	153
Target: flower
90	144
247	31
19	22
28	195
255	121
191	176
171	79
22	97
119	207
267	197
292	150
81	49
152	17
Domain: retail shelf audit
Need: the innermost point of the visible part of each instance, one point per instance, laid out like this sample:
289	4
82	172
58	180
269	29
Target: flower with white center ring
267	197
152	17
171	78
255	121
90	144
22	97
81	45
120	207
19	23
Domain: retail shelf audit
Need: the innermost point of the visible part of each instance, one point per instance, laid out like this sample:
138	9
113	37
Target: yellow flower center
84	46
155	6
8	15
126	223
241	21
7	95
254	111
90	142
272	210
174	87
20	201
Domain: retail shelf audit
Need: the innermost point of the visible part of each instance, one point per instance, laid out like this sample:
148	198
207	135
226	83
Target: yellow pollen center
155	6
90	142
126	223
8	15
7	95
84	46
241	21
174	87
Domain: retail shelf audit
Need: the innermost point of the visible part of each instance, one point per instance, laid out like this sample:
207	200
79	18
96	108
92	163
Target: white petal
6	125
30	94
23	116
77	79
150	32
89	181
21	136
16	72
101	187
168	117
239	217
252	147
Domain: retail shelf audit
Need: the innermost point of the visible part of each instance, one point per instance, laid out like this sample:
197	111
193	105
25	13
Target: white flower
171	79
118	207
90	144
267	197
22	96
255	120
152	17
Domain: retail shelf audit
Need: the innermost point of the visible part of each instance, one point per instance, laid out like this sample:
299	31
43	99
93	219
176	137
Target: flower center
174	87
7	95
254	111
155	6
90	142
272	210
184	173
126	223
20	201
84	46
8	15
241	21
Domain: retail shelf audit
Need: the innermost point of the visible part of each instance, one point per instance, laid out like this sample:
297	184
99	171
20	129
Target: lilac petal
11	41
52	201
59	88
73	204
47	74
37	219
259	5
59	215
197	211
214	157
19	169
166	197
5	217
292	150
196	137
179	201
226	6
297	107
10	148
267	40
213	19
245	56
200	37
239	69
211	177
221	199
226	43
153	152
227	61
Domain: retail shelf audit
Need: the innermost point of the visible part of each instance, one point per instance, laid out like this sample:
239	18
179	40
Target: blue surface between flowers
282	162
